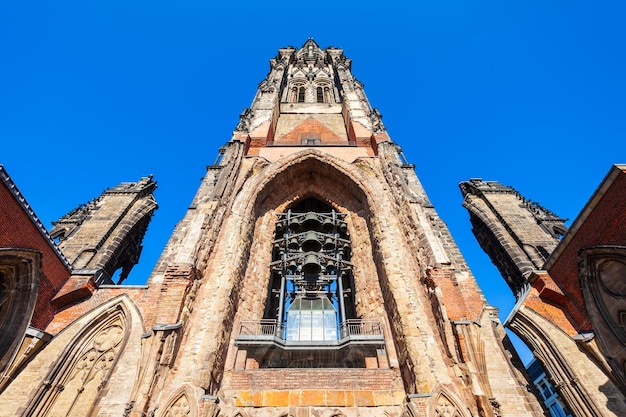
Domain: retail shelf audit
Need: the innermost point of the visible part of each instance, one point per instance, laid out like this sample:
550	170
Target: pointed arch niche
19	280
444	404
312	296
89	350
181	404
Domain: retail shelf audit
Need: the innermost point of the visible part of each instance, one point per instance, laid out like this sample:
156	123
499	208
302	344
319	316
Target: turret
516	233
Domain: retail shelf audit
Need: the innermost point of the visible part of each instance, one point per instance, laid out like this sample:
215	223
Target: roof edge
19	197
591	204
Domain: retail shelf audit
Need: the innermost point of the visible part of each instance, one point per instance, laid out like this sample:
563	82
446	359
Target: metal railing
329	143
265	327
361	327
350	328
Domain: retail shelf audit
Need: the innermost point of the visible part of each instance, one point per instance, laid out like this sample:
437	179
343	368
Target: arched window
327	95
300	94
310	317
19	279
72	386
320	95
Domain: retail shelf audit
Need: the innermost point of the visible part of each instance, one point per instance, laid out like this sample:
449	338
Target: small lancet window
320	95
300	94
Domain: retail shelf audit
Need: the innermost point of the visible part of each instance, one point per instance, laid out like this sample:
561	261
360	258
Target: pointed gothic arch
444	403
498	246
182	403
19	280
602	270
241	413
347	187
85	366
276	188
125	255
544	339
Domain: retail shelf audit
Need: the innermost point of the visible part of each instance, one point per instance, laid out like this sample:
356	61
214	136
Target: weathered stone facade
570	292
406	331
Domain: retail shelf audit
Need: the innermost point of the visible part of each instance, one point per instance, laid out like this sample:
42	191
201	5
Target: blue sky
531	94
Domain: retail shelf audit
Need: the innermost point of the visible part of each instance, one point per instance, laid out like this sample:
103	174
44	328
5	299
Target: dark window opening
320	95
544	253
300	94
310	318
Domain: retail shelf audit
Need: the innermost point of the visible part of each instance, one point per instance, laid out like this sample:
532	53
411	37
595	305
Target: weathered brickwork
21	229
563	313
603	226
293	128
407	330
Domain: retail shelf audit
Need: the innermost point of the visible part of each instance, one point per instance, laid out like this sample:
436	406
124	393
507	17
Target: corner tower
320	278
105	235
516	233
560	313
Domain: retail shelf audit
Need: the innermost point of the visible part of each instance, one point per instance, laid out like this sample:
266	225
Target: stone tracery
83	370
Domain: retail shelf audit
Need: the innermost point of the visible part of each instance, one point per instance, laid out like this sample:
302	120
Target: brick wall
605	225
17	230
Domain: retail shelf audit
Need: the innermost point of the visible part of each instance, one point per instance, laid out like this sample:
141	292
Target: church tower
310	276
323	280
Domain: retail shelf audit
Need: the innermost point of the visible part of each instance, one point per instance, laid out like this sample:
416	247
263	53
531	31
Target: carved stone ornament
75	385
181	404
19	278
377	121
179	408
445	408
244	121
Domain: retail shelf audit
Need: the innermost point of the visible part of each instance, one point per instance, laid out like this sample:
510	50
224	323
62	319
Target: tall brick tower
324	281
310	276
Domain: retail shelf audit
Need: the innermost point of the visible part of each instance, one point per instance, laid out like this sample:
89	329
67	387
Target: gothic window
293	95
544	253
19	278
444	407
310	317
300	94
601	271
546	389
180	406
74	384
312	272
320	95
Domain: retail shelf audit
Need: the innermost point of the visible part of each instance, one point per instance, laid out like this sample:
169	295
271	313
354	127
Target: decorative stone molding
82	371
602	271
182	403
19	281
